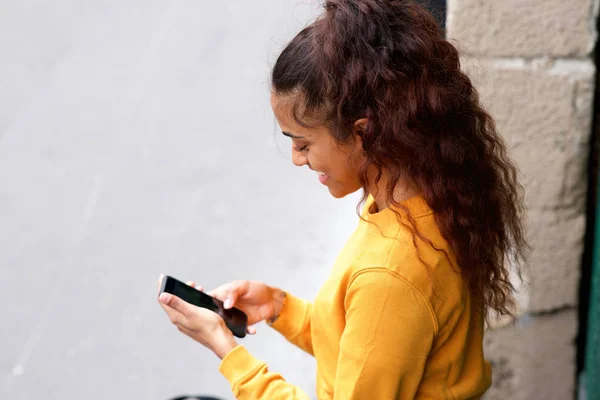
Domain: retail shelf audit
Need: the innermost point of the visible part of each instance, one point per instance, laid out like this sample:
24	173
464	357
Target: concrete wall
531	62
136	137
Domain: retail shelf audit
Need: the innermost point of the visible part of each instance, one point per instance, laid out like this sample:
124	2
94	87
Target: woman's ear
359	128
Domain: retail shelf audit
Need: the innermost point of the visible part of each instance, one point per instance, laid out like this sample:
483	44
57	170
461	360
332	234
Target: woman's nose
299	158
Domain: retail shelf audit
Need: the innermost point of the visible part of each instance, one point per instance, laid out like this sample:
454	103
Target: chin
338	193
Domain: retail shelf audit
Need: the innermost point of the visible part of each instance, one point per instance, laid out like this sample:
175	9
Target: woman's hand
258	300
202	325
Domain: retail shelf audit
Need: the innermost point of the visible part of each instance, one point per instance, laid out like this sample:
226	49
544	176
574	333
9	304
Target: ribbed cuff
292	316
238	364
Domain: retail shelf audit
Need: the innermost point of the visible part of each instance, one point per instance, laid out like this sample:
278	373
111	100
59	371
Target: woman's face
336	165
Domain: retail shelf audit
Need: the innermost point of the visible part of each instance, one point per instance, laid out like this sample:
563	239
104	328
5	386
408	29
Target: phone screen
191	295
235	319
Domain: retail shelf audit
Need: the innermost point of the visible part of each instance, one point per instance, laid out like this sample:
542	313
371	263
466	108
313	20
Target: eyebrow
292	136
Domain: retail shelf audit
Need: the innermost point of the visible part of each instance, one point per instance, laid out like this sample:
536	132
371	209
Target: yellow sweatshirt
383	326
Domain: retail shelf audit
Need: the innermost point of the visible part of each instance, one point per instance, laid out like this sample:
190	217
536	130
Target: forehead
283	107
289	114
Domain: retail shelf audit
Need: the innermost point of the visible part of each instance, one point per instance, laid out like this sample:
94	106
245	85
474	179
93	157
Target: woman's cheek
313	162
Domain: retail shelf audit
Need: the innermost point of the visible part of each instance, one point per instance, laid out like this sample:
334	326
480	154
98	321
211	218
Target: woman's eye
301	148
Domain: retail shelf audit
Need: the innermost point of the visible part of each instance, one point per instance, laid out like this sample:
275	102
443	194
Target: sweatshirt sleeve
250	379
389	332
294	322
385	344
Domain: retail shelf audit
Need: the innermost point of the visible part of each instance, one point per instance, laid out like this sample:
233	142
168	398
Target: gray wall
137	138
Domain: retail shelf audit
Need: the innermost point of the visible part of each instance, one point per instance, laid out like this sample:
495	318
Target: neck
403	190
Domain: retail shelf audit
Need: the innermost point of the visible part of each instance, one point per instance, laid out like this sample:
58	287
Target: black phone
235	319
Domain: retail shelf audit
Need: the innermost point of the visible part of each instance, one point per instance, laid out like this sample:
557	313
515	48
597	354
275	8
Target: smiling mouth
323	177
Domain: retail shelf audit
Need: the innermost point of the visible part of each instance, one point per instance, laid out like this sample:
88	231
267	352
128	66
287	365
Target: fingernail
227	303
164	298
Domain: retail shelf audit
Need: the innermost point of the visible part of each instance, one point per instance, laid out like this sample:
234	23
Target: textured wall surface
523	28
531	62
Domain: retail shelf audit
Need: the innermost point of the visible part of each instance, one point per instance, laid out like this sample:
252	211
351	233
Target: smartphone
235	319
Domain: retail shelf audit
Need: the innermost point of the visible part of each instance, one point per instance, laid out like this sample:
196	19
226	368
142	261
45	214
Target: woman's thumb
228	293
230	300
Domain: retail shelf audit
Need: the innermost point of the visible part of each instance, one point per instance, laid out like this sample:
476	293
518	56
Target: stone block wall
530	60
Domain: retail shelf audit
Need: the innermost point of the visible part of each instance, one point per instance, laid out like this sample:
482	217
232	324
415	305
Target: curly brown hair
389	62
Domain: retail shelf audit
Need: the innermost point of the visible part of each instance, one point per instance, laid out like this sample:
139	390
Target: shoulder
414	255
380	289
424	261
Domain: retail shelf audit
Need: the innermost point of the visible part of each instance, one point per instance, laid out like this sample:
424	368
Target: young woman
373	98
